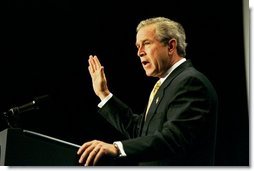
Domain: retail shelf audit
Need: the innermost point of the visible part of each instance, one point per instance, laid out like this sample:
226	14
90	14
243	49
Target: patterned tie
154	91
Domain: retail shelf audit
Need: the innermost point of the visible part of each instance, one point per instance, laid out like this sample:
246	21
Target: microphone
13	113
33	105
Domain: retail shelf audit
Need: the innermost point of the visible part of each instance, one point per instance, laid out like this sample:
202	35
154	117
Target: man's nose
141	52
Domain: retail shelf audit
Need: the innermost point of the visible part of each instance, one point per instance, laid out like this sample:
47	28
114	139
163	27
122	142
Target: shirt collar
170	70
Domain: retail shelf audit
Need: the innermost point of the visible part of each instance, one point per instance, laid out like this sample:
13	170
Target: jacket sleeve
121	117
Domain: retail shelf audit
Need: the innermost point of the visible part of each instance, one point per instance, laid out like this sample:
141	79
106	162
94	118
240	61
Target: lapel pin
157	100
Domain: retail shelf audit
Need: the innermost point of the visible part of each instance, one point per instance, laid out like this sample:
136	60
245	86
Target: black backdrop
45	46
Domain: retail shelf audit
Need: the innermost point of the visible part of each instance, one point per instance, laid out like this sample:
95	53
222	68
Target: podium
20	147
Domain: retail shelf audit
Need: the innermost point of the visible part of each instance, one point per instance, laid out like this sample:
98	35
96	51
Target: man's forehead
145	33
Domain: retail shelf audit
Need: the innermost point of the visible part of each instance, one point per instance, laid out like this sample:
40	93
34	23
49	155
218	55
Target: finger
92	156
86	153
90	70
89	147
97	62
83	147
91	63
102	72
97	157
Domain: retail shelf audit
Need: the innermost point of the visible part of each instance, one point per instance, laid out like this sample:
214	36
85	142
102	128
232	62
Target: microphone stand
7	117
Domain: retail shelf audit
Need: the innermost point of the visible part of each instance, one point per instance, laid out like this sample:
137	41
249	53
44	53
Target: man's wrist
104	101
103	95
117	149
119	146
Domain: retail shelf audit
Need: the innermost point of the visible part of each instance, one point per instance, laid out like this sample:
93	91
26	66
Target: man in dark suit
178	128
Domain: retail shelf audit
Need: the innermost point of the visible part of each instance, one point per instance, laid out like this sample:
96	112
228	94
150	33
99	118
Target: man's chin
149	74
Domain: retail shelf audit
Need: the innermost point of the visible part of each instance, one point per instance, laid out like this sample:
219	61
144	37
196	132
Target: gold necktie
154	91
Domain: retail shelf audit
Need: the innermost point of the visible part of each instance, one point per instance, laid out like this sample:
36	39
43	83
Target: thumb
102	72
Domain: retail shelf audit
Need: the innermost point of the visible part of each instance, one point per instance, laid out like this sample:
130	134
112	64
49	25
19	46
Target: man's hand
91	152
98	77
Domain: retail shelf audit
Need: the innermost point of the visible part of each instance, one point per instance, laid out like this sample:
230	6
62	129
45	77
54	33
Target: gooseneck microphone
13	112
33	105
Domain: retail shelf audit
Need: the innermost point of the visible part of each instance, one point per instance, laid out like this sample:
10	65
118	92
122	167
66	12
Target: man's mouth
144	63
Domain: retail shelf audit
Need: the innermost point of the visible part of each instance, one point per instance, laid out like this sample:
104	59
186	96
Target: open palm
98	77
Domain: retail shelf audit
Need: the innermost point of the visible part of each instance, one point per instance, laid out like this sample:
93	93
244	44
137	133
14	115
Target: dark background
45	46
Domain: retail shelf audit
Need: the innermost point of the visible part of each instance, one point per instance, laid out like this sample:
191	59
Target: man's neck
170	70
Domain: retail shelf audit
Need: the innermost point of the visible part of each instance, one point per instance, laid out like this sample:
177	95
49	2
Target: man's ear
172	43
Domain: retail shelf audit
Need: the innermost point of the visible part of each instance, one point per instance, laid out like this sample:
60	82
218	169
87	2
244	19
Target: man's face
153	54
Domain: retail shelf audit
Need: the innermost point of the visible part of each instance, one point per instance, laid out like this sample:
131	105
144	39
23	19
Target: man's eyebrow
142	41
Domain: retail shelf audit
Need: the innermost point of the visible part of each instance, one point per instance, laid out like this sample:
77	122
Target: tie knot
156	86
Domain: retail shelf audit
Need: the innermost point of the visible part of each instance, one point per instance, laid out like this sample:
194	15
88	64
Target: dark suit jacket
180	128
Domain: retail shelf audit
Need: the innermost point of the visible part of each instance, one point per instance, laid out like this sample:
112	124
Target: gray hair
167	29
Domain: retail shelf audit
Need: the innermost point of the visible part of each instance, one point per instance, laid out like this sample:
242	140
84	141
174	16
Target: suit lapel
160	93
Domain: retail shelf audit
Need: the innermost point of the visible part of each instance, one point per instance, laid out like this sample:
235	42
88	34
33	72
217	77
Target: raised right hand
98	77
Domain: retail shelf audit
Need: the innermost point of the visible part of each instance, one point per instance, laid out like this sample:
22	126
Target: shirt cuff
104	101
120	147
